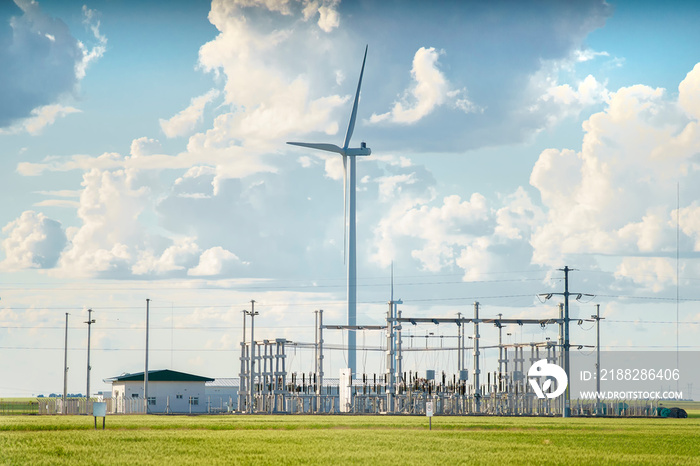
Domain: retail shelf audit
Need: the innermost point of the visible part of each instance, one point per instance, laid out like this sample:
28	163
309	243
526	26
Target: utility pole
65	369
251	373
145	372
501	360
597	357
567	362
90	321
477	388
390	357
399	357
460	364
242	397
319	363
566	343
316	348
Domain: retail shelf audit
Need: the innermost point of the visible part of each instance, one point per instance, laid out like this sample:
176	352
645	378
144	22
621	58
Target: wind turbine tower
349	181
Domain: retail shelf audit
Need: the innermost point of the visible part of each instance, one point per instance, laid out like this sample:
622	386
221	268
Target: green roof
164	375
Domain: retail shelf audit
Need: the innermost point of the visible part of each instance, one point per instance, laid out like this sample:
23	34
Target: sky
143	156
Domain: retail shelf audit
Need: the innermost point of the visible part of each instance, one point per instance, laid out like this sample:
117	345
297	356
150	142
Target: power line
267	286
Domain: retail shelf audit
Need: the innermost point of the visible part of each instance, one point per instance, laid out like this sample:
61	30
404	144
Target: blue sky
143	155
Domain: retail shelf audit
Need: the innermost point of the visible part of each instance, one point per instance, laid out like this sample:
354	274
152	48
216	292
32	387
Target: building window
194	400
178	397
151	400
134	395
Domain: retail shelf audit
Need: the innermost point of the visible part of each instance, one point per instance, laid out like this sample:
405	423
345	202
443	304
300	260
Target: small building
222	394
168	392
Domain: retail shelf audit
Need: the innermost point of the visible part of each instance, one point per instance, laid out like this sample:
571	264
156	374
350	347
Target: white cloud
61	193
281	6
185	121
518	218
390	186
328	16
33	241
555	100
40	118
442	230
58	203
588	54
91	21
110	234
653	274
144	147
588	92
76	162
61	202
175	257
430	90
305	161
616	196
213	261
689	222
689	93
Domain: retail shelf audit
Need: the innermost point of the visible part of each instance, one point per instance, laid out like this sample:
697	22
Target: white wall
179	394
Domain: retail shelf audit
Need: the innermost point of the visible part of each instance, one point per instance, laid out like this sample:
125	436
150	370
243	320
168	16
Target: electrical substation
503	388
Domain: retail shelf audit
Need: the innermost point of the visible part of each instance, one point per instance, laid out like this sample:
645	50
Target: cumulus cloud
110	236
144	147
689	93
555	100
213	261
442	229
588	92
42	61
265	105
653	274
643	141
472	235
328	16
268	103
33	241
185	121
176	257
430	89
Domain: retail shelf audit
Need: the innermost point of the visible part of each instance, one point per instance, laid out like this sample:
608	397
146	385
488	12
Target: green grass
347	440
19	406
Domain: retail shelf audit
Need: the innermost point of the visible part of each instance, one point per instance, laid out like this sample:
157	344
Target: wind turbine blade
353	115
319	146
345	207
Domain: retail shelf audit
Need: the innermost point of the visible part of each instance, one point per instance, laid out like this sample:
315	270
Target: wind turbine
349	220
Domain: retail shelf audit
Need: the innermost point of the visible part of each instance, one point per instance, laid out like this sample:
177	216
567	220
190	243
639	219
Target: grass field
348	440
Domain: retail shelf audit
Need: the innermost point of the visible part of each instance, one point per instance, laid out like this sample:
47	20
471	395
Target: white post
352	270
244	370
399	360
319	363
459	342
477	388
145	372
65	370
251	373
389	358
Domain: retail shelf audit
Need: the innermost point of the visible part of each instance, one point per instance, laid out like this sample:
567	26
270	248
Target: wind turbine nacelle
362	150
